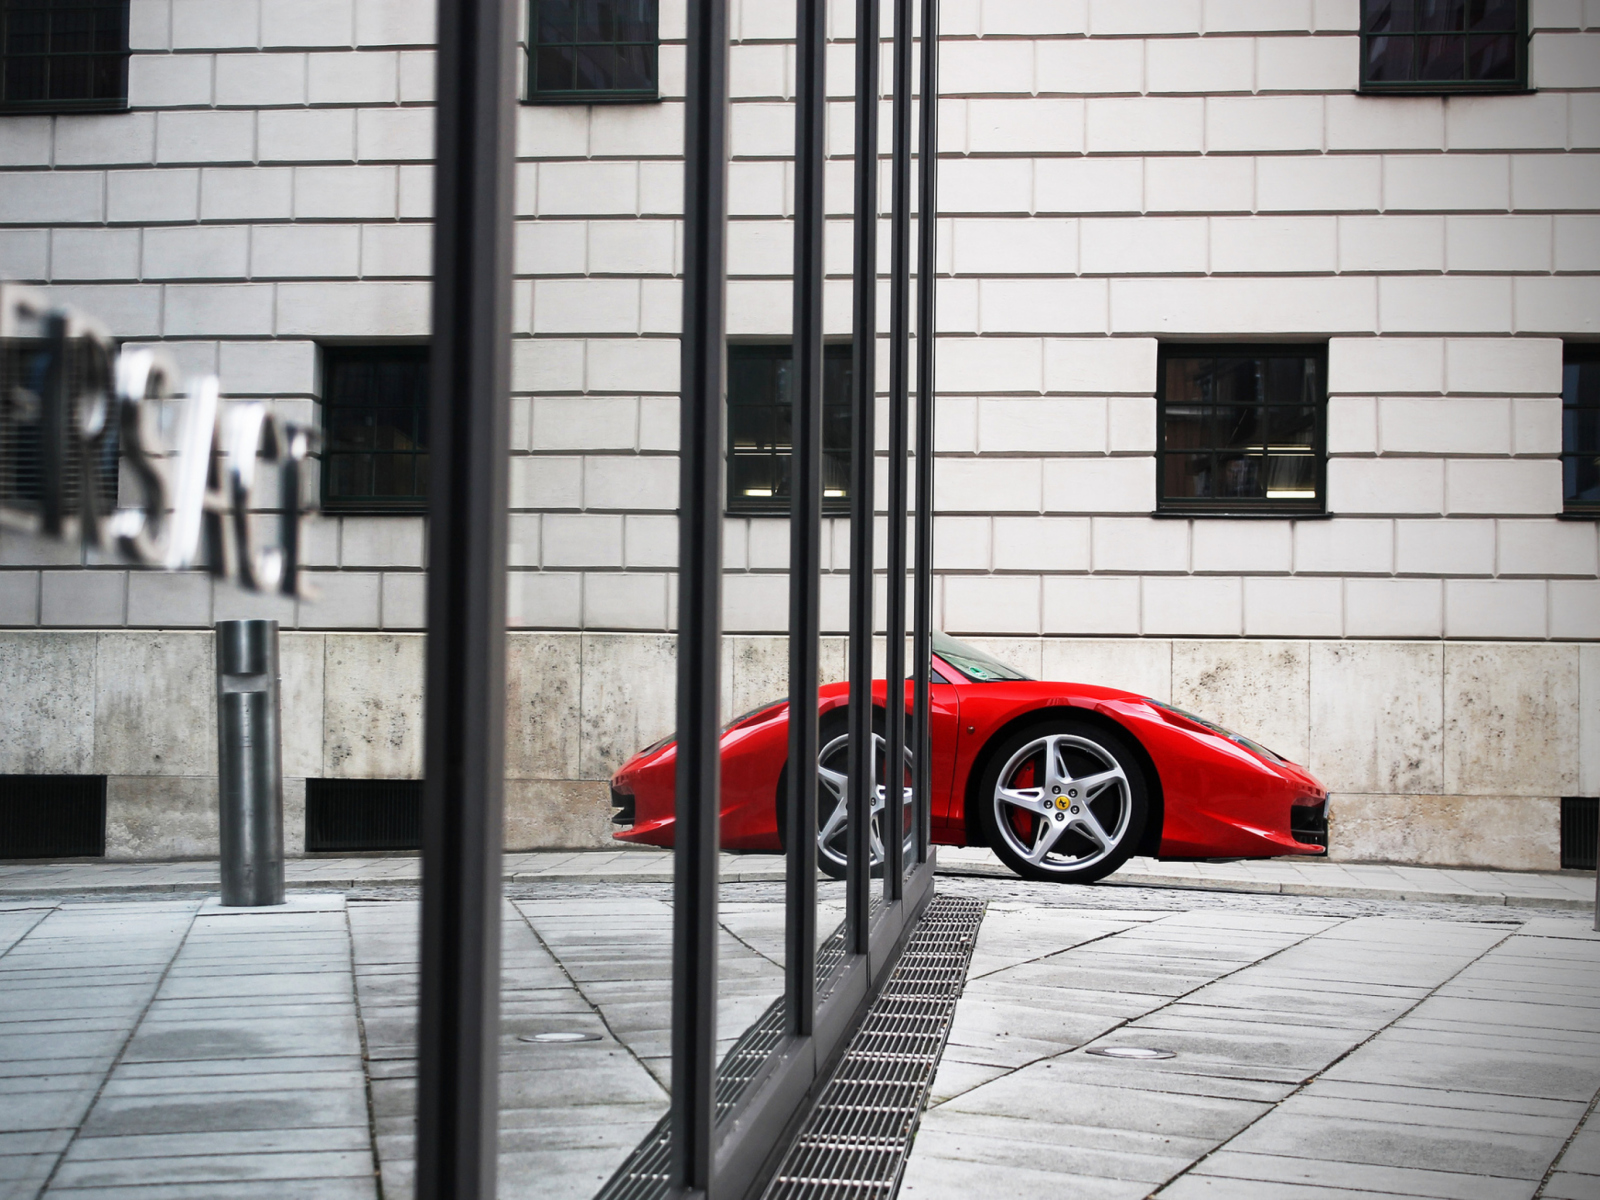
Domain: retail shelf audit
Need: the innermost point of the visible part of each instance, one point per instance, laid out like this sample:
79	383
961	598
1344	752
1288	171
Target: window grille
375	421
63	55
363	814
760	439
592	51
52	816
1242	429
1444	45
1580	829
25	377
1580	430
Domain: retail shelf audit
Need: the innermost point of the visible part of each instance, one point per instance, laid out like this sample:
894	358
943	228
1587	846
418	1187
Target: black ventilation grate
1580	827
363	814
52	816
878	1089
853	1145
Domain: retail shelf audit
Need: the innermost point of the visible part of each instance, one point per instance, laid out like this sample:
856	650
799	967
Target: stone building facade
1117	178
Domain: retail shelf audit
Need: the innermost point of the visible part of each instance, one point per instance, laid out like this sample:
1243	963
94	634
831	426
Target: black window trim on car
408	506
534	94
1237	507
115	100
1572	353
778	505
1515	85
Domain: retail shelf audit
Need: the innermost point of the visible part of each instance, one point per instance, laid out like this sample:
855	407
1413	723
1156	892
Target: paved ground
1328	1046
1282	876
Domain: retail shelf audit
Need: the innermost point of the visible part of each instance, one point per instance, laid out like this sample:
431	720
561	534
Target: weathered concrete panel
373	688
1518	833
1135	664
155	704
300	669
294	817
1510	719
163	816
546	814
629	691
760	672
1377	716
47	703
1261	689
544	673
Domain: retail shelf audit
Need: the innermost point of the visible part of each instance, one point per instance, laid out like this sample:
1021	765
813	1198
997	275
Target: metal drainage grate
854	1143
916	1004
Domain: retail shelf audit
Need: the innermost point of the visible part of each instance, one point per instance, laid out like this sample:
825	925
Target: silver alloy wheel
833	805
1079	818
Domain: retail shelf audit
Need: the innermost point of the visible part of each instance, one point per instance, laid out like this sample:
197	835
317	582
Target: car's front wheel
833	786
1064	800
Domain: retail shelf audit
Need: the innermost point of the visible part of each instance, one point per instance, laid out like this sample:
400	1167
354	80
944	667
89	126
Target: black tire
1095	833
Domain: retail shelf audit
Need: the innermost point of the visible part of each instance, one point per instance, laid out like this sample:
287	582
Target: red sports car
1065	781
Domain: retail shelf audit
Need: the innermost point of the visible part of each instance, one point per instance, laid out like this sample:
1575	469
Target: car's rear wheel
1064	800
833	807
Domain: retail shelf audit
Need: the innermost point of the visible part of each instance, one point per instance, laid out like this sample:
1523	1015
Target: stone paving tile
1232	1166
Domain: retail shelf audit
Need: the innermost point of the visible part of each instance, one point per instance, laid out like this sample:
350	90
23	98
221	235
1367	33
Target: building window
1580	430
375	421
63	55
1242	429
592	51
1444	45
759	419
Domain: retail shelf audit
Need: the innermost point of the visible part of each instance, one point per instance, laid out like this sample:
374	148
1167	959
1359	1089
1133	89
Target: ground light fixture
558	1037
1134	1052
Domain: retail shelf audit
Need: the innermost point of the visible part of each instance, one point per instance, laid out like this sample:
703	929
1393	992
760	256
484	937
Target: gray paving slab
1232	1165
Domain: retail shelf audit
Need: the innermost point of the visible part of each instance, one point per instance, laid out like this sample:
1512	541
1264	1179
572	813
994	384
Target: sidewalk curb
1165	882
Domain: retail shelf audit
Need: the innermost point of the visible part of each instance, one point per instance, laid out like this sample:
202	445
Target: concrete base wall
1436	752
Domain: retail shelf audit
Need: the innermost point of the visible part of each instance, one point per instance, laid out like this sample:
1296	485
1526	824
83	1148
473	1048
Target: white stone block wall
1113	174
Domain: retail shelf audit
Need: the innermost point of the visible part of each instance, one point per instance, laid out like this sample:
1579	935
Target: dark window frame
737	504
409	505
1575	353
115	95
1242	506
534	93
1444	87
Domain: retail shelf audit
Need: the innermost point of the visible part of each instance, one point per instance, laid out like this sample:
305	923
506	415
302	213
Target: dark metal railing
715	1150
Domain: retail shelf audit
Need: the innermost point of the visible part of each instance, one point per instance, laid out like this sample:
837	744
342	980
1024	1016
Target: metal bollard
249	763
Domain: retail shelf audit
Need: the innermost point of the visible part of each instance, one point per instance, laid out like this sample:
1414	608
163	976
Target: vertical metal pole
249	763
805	519
899	367
700	461
863	455
464	758
922	583
55	430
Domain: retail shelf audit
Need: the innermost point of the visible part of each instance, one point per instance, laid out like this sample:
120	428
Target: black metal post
863	456
899	367
922	580
249	764
805	519
694	918
469	423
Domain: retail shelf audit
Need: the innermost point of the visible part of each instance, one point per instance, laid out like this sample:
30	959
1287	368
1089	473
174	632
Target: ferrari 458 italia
1064	781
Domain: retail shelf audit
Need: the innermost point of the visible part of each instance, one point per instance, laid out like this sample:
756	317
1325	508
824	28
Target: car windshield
974	664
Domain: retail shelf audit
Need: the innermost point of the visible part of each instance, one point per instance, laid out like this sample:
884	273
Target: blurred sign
73	408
